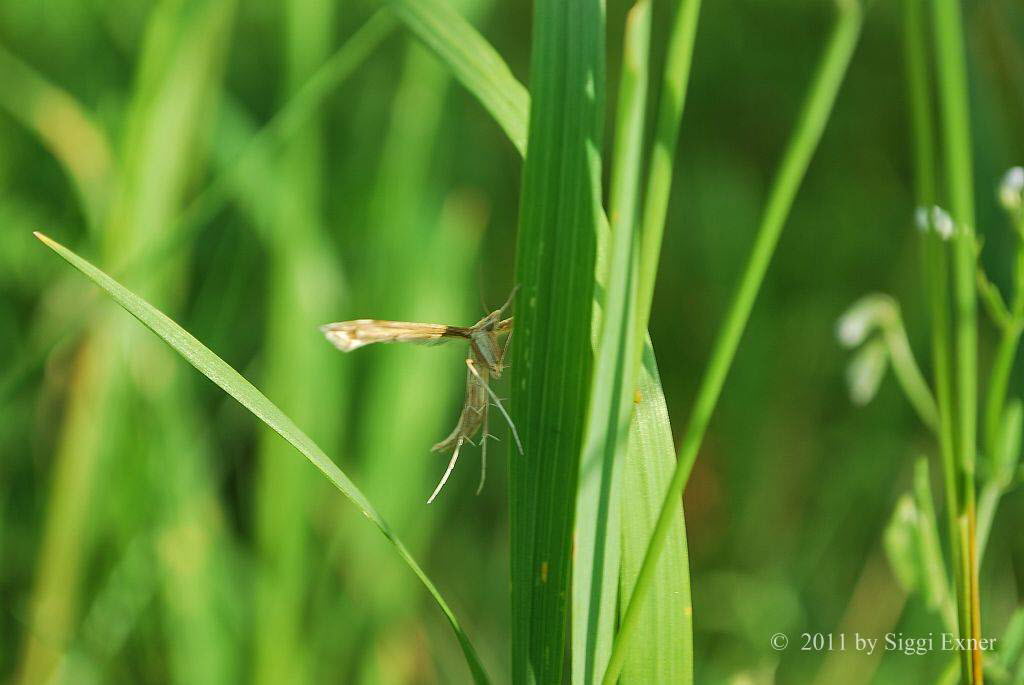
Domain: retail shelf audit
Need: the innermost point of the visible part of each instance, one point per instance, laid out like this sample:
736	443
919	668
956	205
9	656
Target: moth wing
351	335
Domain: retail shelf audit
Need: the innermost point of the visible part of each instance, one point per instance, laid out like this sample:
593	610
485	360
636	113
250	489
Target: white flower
942	222
1011	188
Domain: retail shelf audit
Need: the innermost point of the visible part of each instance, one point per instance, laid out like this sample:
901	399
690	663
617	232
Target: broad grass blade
551	366
665	654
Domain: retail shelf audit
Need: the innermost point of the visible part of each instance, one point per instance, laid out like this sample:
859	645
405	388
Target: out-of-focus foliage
145	507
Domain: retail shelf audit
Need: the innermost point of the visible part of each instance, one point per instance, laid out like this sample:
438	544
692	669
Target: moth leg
497	403
448	471
483	454
504	351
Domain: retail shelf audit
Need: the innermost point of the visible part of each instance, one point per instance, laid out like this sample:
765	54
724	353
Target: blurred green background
151	531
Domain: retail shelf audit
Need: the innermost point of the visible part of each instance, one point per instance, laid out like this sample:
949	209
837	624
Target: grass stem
953	97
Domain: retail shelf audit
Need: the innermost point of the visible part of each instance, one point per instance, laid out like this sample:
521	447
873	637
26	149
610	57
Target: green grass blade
473	61
811	124
665	655
675	80
596	564
229	380
559	215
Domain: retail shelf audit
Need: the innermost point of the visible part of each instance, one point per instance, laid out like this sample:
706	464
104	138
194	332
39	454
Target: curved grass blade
473	61
233	383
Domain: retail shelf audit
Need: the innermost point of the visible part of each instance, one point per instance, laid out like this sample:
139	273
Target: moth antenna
480	288
498	404
447	472
511	296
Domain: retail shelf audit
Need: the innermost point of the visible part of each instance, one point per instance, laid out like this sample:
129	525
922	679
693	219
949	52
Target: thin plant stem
937	281
797	157
953	96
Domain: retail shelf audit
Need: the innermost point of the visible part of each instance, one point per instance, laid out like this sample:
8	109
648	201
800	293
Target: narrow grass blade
473	61
559	215
665	655
675	80
229	380
596	564
811	124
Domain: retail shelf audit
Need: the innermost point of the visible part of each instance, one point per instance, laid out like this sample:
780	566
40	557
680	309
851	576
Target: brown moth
486	359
